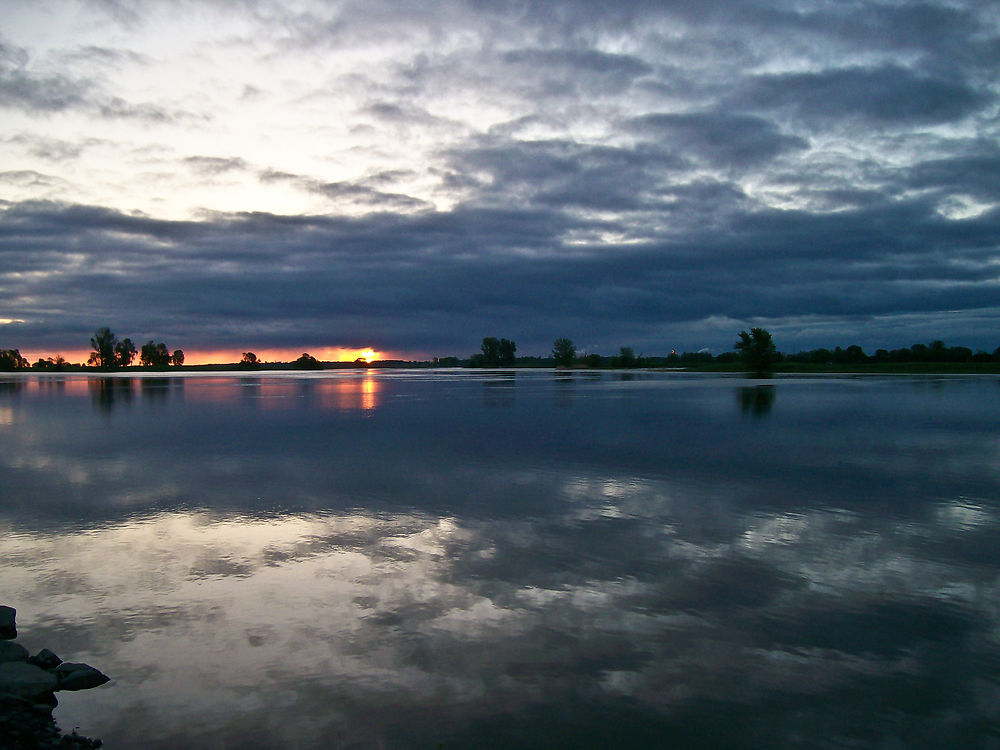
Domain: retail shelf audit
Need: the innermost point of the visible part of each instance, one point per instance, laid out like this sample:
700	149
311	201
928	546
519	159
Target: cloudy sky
413	176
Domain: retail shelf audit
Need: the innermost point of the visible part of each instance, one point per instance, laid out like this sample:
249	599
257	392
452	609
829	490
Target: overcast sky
413	176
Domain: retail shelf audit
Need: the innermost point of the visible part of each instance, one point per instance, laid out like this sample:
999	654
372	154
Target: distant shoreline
781	368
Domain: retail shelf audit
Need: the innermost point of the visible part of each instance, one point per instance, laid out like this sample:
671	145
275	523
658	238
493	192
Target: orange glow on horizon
230	356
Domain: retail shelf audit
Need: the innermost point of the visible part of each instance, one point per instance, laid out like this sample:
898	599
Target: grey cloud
52	149
889	94
43	92
216	164
103	56
365	192
24	89
117	108
578	69
28	178
447	279
563	173
370	196
402	114
725	140
976	173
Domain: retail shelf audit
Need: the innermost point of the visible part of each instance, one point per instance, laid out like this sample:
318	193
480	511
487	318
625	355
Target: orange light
196	356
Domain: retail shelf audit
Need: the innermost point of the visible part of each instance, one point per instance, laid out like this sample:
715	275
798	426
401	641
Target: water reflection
756	400
623	573
106	393
351	394
499	389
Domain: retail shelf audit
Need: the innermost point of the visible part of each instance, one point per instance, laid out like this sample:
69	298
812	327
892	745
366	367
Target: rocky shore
27	693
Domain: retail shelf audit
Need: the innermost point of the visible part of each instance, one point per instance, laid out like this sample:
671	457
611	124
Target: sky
410	177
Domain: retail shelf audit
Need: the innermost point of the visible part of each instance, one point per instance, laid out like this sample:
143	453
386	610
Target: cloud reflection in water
507	601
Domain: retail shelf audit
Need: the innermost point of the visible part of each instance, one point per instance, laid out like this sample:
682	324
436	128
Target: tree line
754	349
108	353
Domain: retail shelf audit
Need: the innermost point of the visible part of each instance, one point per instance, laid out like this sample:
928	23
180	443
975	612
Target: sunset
529	374
231	177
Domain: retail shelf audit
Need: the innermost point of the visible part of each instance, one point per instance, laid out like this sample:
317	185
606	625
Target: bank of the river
27	693
886	368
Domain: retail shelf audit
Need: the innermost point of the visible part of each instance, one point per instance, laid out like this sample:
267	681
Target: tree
491	351
496	353
563	352
626	357
507	349
154	355
103	343
307	362
124	353
249	360
11	359
54	364
177	358
757	351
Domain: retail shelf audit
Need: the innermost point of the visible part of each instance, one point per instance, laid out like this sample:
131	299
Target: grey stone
78	676
45	659
8	629
21	678
10	651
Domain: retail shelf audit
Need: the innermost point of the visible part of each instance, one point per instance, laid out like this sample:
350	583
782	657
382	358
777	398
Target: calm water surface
474	560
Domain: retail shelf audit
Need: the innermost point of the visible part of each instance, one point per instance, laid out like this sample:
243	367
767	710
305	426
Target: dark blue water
474	560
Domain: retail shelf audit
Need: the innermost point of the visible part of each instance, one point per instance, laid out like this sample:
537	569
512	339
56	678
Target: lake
462	559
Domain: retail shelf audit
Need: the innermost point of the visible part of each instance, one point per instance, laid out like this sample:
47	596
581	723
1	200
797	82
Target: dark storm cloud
719	138
888	94
447	279
561	173
589	70
975	173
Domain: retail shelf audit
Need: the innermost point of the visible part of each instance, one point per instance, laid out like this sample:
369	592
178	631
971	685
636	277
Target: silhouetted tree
177	358
593	360
11	359
154	355
249	360
103	343
124	353
507	350
563	352
307	362
51	364
625	358
495	353
491	351
757	351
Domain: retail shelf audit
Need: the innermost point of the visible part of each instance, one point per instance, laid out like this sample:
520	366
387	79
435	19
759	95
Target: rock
45	659
8	629
10	651
78	676
21	678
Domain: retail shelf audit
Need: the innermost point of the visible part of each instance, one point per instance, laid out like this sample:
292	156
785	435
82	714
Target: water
472	560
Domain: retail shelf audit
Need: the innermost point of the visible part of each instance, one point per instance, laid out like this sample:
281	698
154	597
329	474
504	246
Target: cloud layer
412	179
